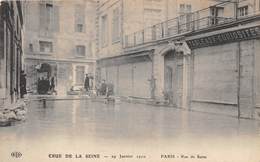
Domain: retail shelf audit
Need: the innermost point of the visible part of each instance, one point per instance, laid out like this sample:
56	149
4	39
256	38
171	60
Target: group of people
45	85
105	89
102	89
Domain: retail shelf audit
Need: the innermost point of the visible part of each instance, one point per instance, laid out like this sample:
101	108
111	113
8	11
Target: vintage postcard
130	81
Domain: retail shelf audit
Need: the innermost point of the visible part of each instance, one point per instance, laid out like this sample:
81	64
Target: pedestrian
109	90
38	85
52	84
103	88
23	84
86	83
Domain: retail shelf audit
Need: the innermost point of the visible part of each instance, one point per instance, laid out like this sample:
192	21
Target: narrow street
73	75
85	126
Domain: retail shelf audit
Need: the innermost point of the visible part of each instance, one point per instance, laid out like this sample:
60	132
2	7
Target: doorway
173	78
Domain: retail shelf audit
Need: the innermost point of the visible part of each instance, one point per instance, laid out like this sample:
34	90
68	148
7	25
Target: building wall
136	15
257	79
223	79
2	58
219	78
65	35
129	79
142	72
257	73
11	51
246	93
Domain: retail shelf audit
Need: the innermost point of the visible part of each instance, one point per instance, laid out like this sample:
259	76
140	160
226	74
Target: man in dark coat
52	84
103	88
109	89
86	83
23	84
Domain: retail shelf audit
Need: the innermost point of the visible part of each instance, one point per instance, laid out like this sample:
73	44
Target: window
104	30
243	11
46	16
185	18
116	26
188	8
79	18
80	71
79	28
49	16
80	50
46	47
185	8
216	14
182	8
31	47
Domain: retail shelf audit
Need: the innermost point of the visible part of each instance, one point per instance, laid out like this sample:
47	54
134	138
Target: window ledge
116	41
80	56
45	53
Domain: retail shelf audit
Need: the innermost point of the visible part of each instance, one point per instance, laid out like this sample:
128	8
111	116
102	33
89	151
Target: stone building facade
59	42
11	53
209	63
116	19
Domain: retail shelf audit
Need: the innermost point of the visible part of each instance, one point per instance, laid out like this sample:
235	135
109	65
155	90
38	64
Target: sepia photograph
129	80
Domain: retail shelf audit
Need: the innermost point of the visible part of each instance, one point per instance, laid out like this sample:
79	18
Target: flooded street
83	126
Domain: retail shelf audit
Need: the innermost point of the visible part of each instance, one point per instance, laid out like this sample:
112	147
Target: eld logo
16	154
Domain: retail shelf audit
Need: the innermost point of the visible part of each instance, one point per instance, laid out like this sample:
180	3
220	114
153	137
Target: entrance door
173	81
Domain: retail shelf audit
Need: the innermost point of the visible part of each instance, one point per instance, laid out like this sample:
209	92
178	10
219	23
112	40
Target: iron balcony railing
184	23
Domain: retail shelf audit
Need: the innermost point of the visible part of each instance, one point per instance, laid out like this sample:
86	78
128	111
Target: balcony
187	23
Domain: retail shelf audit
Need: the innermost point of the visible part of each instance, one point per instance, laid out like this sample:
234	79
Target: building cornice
71	60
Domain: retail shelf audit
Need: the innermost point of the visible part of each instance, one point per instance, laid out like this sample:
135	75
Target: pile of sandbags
15	112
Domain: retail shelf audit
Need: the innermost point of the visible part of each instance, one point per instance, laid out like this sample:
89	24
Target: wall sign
233	36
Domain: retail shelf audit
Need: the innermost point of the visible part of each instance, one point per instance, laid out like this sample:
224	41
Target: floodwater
144	133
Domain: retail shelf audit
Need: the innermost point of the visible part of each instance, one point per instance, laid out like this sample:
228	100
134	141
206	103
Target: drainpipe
238	79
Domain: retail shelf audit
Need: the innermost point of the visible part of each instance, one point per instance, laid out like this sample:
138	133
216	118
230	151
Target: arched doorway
45	69
173	77
44	73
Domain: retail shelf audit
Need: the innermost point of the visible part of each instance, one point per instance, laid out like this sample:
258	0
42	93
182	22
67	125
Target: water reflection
83	124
